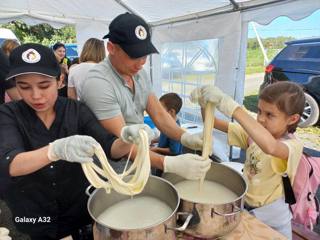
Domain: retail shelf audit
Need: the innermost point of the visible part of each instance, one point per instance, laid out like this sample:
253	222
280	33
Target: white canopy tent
170	21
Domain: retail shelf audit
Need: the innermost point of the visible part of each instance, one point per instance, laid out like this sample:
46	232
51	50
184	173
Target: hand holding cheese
189	166
130	134
73	149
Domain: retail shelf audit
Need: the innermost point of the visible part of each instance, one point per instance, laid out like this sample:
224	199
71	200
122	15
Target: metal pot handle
88	190
185	224
226	214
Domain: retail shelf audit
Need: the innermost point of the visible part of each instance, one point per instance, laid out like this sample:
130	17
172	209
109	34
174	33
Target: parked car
299	62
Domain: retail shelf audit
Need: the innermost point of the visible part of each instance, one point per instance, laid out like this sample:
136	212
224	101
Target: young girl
270	150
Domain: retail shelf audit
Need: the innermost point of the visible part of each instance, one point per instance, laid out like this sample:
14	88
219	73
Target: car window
301	52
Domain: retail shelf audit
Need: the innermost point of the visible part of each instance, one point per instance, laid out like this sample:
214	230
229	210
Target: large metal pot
156	187
214	220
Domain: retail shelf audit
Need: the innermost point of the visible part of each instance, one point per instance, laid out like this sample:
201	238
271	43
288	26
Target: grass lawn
255	61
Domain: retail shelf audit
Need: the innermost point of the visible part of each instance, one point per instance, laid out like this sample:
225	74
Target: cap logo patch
31	56
141	32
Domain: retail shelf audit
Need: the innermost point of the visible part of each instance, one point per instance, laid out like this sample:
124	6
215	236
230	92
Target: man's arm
113	125
165	151
162	119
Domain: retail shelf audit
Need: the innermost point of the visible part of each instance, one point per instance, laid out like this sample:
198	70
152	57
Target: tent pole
125	6
235	5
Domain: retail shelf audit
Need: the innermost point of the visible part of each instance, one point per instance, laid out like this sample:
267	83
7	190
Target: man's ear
110	47
294	119
172	112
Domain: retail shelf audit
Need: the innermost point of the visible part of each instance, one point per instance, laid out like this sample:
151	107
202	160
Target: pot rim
240	198
142	228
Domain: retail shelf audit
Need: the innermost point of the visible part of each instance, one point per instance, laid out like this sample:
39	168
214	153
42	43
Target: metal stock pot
214	220
156	187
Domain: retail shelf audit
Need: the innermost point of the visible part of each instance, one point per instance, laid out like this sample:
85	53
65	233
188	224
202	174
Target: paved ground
252	83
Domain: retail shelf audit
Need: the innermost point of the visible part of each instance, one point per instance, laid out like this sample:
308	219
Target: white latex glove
4	234
130	134
73	149
196	97
189	166
192	141
224	102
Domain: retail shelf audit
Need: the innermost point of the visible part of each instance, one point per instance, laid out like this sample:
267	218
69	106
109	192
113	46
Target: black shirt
56	192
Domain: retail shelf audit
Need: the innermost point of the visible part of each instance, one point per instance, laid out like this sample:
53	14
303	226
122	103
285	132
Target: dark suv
299	62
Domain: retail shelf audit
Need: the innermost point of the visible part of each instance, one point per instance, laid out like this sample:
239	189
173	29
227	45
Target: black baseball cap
132	34
33	58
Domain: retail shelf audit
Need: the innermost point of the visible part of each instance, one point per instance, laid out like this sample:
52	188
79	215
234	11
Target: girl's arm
29	162
261	136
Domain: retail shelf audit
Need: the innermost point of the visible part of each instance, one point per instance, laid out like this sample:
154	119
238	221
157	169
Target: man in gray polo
118	91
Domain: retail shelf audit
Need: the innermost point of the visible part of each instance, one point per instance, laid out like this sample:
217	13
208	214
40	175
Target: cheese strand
107	178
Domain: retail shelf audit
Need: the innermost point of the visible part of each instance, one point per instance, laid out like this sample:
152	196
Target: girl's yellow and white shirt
264	172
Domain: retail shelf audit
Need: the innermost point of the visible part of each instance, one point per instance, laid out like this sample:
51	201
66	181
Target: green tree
41	33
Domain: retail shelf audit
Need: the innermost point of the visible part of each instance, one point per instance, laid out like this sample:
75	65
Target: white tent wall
85	31
207	28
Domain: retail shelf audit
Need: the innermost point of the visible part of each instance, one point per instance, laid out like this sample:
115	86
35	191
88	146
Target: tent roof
155	12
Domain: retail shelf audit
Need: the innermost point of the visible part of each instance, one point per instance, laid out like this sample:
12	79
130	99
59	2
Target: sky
284	26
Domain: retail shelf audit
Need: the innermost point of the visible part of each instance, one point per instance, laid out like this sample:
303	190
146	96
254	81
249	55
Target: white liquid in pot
135	213
210	193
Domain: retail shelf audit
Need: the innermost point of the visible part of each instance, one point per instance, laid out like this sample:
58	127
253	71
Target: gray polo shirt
108	96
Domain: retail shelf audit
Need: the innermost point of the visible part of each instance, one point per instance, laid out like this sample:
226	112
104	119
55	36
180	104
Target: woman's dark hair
172	101
288	97
58	45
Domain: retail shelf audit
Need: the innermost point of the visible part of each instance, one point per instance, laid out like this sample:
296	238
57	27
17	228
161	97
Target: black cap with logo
132	34
33	58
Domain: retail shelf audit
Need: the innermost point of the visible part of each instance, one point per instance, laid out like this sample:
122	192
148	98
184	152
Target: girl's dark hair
58	45
172	101
288	97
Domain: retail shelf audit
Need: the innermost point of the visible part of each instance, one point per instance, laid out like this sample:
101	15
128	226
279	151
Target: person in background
62	84
118	91
8	45
59	50
172	103
93	52
271	151
43	139
7	87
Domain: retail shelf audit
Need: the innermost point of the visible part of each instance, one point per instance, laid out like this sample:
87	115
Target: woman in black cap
46	196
